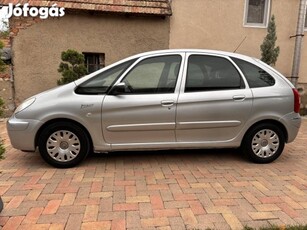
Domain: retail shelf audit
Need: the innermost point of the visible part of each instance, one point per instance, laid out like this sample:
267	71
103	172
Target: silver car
170	99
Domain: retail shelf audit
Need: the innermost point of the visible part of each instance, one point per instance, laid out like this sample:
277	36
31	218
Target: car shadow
169	156
123	160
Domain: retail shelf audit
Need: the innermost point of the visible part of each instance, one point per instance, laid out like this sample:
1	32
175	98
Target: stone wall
6	92
6	86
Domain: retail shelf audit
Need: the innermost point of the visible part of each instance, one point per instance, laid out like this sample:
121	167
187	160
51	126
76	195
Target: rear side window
206	73
255	76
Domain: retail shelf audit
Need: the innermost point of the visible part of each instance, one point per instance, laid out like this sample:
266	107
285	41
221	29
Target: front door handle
238	97
167	103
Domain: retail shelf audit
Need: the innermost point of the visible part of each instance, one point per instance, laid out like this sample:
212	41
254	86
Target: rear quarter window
255	76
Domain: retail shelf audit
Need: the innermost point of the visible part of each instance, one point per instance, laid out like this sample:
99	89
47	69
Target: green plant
2	150
2	64
1	106
4	32
274	227
72	67
269	53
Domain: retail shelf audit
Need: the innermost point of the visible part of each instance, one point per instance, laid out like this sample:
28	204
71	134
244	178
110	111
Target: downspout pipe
298	43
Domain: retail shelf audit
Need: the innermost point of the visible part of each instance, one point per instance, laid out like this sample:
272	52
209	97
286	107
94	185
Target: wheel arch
270	121
62	120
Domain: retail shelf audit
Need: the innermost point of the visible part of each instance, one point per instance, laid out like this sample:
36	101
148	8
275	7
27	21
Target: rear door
214	101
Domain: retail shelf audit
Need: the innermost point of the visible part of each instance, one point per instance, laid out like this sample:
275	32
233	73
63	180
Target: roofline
107	8
203	51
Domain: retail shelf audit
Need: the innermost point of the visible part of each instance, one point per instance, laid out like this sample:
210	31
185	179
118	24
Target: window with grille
256	13
94	61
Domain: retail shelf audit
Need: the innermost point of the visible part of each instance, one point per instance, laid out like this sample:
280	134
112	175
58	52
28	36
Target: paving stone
118	224
102	225
262	215
33	215
52	207
74	222
232	221
188	189
13	223
145	210
154	222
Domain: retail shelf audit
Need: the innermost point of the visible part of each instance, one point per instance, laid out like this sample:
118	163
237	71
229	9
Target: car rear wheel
63	144
264	143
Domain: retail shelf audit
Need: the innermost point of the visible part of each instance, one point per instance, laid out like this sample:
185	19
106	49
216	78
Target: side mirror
118	89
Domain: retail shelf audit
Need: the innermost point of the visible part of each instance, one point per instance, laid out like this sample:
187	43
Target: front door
214	102
145	113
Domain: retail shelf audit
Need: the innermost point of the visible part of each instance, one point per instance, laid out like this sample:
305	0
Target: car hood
55	92
47	99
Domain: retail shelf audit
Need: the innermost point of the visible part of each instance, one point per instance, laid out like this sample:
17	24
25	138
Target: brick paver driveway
165	190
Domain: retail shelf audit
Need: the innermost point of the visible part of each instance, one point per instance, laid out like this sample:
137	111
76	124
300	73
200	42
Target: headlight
25	104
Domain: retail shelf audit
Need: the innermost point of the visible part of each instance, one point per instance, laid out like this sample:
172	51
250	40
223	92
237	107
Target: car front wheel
264	143
63	144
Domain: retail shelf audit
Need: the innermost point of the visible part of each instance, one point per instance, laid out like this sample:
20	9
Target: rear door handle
238	97
167	103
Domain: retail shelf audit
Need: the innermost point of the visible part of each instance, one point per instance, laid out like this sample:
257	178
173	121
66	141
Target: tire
63	144
263	143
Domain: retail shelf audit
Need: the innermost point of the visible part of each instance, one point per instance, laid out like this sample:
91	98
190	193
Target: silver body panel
161	121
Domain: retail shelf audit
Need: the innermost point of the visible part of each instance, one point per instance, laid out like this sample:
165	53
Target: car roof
203	51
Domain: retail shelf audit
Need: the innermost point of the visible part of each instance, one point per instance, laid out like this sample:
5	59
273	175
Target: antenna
240	44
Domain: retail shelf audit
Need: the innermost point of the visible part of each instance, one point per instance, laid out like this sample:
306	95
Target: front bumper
22	132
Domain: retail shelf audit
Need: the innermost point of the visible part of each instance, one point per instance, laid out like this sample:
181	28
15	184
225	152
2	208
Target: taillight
296	100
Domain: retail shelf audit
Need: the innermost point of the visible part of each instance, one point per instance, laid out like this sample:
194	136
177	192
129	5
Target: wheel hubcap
265	143
63	146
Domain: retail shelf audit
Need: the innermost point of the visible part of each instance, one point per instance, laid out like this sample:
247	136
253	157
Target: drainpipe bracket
297	35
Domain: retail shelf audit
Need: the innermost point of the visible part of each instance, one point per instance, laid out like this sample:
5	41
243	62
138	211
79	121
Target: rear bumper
292	122
22	133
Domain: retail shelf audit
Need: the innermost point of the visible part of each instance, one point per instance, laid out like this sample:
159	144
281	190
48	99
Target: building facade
105	32
223	25
115	29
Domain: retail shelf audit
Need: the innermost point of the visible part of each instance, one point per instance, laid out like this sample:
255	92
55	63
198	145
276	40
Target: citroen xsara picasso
171	99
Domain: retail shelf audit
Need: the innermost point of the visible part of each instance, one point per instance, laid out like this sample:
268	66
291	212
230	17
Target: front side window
256	13
255	76
207	73
102	82
154	75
